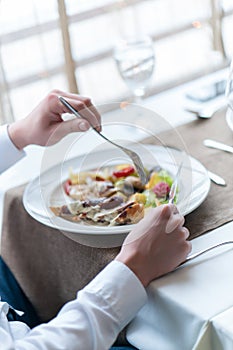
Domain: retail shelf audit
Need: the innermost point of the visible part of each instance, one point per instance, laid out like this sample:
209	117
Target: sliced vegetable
129	170
139	198
150	199
154	179
67	186
80	178
165	177
161	190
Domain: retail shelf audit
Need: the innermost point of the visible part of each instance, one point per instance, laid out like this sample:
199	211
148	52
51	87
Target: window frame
71	65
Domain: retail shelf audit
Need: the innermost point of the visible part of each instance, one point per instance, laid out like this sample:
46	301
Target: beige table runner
51	267
217	209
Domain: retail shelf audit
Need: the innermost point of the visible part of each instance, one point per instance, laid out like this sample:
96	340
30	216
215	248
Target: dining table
189	308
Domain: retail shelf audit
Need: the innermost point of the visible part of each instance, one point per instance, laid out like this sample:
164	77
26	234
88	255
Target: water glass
135	61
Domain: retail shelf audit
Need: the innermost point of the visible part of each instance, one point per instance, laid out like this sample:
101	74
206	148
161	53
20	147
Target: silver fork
133	155
195	255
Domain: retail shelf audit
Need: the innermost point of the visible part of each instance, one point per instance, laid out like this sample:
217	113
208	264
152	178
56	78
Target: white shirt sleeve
93	320
9	153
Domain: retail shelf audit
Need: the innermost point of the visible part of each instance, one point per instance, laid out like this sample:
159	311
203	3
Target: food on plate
113	195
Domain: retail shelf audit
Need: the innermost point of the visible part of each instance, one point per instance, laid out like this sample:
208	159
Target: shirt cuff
121	288
10	154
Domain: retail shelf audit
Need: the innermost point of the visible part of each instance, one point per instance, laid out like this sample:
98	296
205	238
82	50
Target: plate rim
229	118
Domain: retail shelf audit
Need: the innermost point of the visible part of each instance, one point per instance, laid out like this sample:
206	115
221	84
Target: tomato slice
67	186
124	172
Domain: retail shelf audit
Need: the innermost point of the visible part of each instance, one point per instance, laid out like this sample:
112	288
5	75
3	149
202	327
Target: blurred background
68	44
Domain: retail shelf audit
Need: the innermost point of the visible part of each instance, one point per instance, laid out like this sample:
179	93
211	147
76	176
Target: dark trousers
11	292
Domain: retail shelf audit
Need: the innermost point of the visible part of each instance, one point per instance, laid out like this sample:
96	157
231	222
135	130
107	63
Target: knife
218	145
216	178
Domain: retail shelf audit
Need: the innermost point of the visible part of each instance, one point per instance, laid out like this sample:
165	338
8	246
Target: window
191	38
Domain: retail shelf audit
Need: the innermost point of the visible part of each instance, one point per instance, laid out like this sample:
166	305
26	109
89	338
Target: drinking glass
135	61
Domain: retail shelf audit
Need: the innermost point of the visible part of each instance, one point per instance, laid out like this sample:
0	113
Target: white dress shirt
93	320
9	154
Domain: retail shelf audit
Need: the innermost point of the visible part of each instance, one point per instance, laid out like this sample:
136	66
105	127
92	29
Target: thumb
175	220
66	127
74	125
173	217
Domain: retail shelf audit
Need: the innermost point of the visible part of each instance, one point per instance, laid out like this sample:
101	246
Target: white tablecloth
191	308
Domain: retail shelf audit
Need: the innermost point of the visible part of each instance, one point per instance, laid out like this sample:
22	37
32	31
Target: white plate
229	118
47	190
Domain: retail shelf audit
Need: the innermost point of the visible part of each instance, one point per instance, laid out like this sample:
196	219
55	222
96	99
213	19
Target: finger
174	208
97	114
169	209
172	217
74	125
166	211
174	221
185	232
86	104
84	112
189	247
89	104
71	95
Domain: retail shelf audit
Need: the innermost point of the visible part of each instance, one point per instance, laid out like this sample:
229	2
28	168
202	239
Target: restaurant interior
160	73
